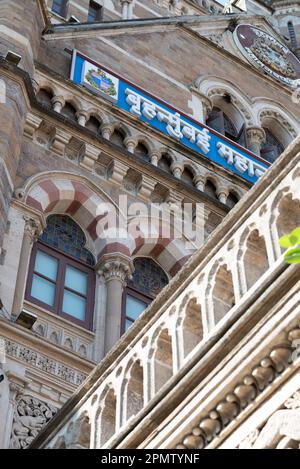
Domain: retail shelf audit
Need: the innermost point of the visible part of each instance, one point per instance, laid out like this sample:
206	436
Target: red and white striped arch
58	194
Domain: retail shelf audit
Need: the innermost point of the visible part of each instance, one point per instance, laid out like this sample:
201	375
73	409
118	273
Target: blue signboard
166	119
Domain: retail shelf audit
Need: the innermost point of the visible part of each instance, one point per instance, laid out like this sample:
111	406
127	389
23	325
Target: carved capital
82	118
115	267
199	182
177	169
130	144
256	134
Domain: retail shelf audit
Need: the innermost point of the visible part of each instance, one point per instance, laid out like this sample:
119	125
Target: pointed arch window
219	121
61	275
147	282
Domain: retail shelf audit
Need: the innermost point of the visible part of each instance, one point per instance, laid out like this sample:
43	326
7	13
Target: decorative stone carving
77	435
116	268
32	228
30	416
44	363
282	430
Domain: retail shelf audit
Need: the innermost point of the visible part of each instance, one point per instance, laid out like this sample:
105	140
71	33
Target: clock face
267	53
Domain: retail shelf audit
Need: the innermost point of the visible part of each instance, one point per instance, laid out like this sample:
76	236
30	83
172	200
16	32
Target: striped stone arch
78	198
70	196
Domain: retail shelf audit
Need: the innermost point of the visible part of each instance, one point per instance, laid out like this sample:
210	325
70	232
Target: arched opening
69	111
61	274
192	326
118	137
93	124
223	293
165	163
210	189
289	215
108	417
163	360
188	176
256	258
226	119
141	151
272	148
45	96
232	199
135	389
147	281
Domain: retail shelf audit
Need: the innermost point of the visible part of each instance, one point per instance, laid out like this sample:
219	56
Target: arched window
272	148
221	122
148	280
61	275
60	7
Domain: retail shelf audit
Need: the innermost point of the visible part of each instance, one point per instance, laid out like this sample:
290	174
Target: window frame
63	8
95	7
63	261
135	294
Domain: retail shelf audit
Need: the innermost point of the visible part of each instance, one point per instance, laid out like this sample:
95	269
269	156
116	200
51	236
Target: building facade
129	131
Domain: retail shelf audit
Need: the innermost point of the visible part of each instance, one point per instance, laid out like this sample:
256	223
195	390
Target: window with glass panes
60	7
95	12
148	280
61	275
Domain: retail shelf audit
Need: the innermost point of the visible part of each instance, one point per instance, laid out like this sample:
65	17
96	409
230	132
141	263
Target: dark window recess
61	275
272	148
142	152
95	12
147	282
60	7
292	35
220	122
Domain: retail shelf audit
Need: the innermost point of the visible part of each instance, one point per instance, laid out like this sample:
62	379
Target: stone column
200	104
82	118
177	170
199	182
256	137
222	194
32	230
107	130
58	103
130	144
127	9
116	269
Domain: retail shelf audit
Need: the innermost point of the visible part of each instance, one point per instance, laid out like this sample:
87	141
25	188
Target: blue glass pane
46	265
74	305
128	324
43	290
76	280
148	277
134	307
64	234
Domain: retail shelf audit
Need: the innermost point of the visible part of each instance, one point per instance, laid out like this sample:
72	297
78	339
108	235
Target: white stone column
222	194
116	269
127	9
256	137
99	319
32	230
177	170
107	131
130	144
200	105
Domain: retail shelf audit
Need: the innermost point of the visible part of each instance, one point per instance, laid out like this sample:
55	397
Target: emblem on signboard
100	81
267	53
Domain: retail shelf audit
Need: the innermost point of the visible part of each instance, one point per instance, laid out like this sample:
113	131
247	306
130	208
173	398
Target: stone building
148	329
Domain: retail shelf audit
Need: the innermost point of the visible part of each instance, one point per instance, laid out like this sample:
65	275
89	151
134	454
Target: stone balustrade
213	289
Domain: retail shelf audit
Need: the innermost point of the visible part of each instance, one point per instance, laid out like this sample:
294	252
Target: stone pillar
130	144
107	130
58	103
177	170
222	194
199	182
256	137
116	269
32	230
127	9
82	118
155	156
